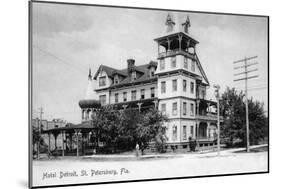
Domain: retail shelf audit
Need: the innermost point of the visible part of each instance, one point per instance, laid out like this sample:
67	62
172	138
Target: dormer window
134	76
152	71
116	79
102	81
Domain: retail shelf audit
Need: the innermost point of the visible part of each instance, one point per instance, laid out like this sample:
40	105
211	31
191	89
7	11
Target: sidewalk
193	154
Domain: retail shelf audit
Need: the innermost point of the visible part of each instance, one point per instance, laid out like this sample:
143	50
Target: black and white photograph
122	94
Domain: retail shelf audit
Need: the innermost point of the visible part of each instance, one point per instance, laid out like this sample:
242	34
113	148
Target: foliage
121	130
151	128
36	137
234	127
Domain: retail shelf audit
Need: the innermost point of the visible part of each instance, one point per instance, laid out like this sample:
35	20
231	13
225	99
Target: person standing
137	150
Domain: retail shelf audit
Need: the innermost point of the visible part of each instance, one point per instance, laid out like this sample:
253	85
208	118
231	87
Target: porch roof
84	126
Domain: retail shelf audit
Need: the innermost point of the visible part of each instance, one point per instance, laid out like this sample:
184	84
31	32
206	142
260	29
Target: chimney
131	65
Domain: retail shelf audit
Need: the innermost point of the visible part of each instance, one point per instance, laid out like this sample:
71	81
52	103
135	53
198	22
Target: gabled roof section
145	75
201	69
109	71
142	76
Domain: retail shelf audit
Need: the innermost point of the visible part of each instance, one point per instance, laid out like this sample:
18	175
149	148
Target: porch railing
175	52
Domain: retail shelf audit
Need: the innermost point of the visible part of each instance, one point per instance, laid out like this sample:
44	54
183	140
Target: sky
70	39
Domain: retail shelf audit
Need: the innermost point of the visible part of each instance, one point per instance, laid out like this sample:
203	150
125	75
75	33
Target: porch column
62	136
208	107
187	44
49	143
139	105
169	43
77	132
180	39
197	114
70	141
208	130
124	107
56	136
84	140
155	103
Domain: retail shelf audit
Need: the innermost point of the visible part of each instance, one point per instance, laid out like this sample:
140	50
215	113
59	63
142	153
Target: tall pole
247	111
217	91
39	131
246	71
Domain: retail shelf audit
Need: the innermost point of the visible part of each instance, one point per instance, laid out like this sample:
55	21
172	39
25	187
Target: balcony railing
208	116
175	52
200	138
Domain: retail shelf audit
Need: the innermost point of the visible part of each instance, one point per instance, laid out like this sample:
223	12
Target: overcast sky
68	40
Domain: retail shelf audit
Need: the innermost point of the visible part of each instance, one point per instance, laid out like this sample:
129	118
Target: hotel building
176	84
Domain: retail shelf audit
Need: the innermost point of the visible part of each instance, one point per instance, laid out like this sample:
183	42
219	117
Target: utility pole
39	131
246	78
217	94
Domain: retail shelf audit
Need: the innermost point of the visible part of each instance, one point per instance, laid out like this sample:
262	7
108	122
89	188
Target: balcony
208	117
205	139
176	52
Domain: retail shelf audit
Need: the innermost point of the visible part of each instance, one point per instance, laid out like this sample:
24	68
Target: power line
246	78
58	58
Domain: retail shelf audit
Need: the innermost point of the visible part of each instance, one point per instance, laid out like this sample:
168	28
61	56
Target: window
163	108
184	132
175	133
116	79
191	109
134	76
191	130
184	85
173	62
103	99
152	90
134	95
162	64
175	108
185	63
184	108
102	81
142	93
163	87
193	66
175	86
192	87
116	97
125	96
203	93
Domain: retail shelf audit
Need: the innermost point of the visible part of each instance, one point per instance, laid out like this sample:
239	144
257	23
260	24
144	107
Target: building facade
176	84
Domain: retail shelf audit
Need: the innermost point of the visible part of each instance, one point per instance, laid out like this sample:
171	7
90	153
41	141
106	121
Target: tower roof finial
90	74
170	23
186	24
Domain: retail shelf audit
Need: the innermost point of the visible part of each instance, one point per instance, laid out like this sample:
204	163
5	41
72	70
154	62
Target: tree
121	130
234	127
36	138
151	128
